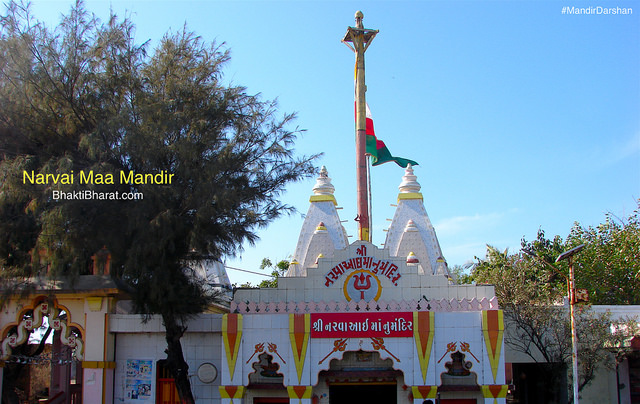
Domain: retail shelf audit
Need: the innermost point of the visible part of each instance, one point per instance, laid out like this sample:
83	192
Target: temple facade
358	323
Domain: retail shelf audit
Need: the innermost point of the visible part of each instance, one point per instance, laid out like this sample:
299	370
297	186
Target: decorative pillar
299	394
423	331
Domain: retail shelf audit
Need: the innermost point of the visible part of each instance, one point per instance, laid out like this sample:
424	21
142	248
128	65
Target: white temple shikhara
411	230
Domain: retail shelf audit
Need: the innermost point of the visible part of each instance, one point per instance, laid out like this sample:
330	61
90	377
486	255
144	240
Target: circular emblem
362	285
207	373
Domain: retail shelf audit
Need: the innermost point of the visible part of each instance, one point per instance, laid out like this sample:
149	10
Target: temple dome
212	274
322	231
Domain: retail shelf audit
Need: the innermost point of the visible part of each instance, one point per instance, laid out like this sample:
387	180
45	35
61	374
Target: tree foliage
461	274
609	265
277	270
85	98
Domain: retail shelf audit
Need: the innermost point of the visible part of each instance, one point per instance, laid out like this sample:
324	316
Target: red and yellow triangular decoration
231	392
424	392
231	337
299	392
423	330
495	391
493	330
299	329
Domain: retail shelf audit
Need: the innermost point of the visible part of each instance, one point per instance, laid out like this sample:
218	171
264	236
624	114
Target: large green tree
608	266
85	98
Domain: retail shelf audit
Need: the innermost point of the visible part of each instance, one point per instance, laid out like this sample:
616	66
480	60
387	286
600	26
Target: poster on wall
138	380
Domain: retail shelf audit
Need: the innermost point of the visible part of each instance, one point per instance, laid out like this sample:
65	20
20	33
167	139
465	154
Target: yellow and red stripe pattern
231	392
423	330
299	392
231	337
424	392
495	391
493	330
299	330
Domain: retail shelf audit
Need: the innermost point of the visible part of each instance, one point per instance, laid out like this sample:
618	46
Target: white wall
603	389
198	348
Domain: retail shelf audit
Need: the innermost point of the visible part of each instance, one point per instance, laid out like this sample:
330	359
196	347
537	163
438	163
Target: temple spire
358	40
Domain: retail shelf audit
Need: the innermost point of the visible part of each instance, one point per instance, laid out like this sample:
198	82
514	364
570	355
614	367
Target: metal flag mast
358	40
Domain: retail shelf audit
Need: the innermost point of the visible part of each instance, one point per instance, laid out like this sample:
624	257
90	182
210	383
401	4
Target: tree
277	270
85	102
461	273
609	265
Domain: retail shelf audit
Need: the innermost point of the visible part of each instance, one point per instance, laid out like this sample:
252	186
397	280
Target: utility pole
572	302
358	40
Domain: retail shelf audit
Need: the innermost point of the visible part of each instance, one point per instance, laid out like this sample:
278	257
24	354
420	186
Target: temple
358	323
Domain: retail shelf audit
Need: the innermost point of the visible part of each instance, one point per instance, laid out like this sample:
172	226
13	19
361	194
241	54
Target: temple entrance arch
31	318
41	352
363	377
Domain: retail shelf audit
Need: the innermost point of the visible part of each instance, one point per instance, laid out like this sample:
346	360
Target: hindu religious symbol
362	285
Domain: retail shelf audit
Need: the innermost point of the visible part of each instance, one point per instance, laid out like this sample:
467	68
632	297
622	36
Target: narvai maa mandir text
91	177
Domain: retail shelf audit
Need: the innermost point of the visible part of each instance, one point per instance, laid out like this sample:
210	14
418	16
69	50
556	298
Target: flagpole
360	39
369	195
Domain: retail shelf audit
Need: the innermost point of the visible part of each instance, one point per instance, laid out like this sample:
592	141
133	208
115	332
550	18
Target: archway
42	352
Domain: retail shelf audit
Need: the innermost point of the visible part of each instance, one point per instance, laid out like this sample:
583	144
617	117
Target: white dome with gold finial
409	183
322	231
411	230
323	183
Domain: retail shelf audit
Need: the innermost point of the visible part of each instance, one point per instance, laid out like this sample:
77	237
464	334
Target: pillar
98	366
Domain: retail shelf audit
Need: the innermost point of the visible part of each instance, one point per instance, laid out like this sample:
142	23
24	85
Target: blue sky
520	117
